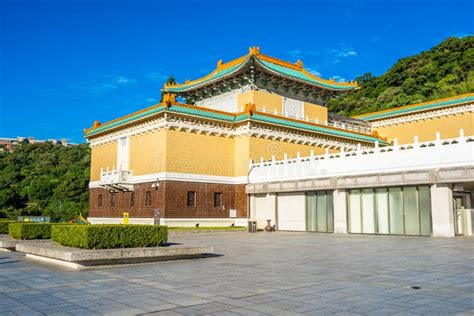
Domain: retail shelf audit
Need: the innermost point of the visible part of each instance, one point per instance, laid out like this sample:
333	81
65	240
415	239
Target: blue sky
65	64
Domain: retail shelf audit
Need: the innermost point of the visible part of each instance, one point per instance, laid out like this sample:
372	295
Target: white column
272	204
340	211
252	208
442	210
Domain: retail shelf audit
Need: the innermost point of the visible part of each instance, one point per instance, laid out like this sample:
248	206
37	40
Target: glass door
458	215
319	212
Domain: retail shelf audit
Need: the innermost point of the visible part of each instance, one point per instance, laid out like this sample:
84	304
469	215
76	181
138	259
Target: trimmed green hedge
4	226
30	230
109	236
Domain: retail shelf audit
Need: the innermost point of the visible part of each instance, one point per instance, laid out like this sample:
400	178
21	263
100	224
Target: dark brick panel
171	199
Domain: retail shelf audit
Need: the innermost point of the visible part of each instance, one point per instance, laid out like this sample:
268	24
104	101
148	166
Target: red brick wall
171	199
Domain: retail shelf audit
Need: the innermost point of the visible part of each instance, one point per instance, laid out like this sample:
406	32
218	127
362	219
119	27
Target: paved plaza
263	273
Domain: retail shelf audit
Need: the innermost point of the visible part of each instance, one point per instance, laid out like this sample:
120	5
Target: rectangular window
395	204
148	198
311	211
425	210
354	211
410	207
293	108
396	210
321	212
217	199
381	202
132	199
368	218
99	200
112	200
191	198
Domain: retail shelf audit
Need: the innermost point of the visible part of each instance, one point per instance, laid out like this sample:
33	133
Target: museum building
251	136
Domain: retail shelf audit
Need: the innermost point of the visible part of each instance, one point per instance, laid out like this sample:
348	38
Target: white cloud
156	76
294	52
298	53
101	84
344	52
313	71
339	78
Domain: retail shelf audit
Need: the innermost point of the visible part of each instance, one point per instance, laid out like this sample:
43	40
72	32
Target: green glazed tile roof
202	113
175	109
415	108
302	76
302	125
216	75
125	120
280	69
194	111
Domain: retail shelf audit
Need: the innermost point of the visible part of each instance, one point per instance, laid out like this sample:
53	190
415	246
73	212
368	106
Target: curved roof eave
273	65
301	77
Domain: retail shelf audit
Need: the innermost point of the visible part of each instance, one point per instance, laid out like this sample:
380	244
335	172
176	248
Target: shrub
109	236
30	230
4	226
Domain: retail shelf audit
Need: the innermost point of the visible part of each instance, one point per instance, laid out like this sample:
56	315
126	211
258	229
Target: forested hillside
443	71
44	179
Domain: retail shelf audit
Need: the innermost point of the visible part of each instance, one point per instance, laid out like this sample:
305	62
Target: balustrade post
415	142
462	139
438	139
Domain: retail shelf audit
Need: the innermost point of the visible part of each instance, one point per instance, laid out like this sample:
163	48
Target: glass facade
319	211
396	210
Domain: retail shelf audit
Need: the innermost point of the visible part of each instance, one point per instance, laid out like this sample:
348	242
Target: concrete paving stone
166	313
322	312
263	274
246	312
187	301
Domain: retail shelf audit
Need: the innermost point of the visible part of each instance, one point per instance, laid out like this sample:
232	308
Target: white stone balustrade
115	179
439	153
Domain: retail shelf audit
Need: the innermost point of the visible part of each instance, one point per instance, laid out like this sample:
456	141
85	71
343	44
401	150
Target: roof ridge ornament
219	64
299	63
250	109
169	99
254	50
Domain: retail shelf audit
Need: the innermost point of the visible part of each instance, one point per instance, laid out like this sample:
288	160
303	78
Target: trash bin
252	226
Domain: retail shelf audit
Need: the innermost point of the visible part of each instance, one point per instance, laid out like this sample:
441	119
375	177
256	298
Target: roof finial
169	99
299	63
254	50
250	109
219	63
96	124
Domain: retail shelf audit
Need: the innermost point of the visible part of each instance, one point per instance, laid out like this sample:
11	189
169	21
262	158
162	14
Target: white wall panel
291	211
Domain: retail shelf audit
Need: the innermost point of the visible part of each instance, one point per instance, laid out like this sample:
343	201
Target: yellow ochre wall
147	153
273	102
102	156
184	152
448	126
199	154
313	112
241	155
261	99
